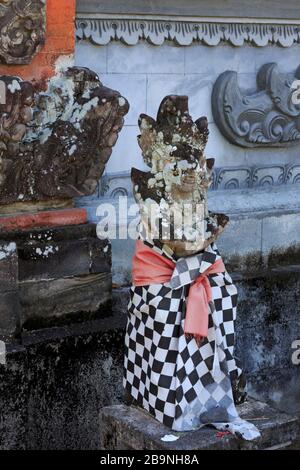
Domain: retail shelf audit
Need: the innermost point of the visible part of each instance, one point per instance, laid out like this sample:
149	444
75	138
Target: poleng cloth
150	267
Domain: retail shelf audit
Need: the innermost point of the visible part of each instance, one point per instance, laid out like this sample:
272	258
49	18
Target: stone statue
175	188
179	361
55	140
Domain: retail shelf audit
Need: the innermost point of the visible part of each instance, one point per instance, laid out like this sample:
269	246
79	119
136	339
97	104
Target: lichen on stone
55	143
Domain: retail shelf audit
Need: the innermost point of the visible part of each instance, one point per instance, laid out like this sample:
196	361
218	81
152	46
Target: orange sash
149	267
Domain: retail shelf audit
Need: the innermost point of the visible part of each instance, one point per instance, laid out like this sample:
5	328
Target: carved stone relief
183	33
22	29
114	185
266	117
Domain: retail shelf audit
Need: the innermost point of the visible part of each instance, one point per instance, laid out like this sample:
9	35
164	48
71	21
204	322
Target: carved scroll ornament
267	117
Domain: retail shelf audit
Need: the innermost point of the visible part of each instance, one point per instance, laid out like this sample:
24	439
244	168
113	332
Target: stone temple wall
57	377
148	56
167	49
55	385
145	73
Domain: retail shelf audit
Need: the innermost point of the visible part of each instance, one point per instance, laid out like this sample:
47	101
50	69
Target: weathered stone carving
55	144
266	117
174	191
22	29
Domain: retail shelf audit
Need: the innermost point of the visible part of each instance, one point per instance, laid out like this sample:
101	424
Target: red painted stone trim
43	219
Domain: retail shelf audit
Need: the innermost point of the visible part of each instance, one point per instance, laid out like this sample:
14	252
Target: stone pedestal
59	124
50	276
130	428
53	384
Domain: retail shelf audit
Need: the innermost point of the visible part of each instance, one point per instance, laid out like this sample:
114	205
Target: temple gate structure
67	144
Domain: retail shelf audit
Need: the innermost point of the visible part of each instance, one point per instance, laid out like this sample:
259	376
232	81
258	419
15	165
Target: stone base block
59	300
131	428
52	276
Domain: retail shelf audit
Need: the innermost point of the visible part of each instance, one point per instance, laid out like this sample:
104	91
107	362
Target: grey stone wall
267	325
264	229
237	8
145	74
258	188
55	383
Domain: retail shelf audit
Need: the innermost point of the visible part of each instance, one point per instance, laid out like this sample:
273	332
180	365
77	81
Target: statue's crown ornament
174	133
173	145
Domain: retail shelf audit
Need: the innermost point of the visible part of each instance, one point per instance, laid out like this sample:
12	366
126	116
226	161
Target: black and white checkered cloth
181	384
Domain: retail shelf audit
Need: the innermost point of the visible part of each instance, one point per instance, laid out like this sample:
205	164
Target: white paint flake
6	250
14	86
169	438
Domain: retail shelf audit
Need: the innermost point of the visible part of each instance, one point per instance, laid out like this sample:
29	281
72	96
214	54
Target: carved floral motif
22	29
113	185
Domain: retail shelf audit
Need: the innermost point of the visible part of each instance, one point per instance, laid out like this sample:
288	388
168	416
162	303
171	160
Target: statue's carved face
181	171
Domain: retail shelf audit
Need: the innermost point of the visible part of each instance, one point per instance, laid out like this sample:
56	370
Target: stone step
128	427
